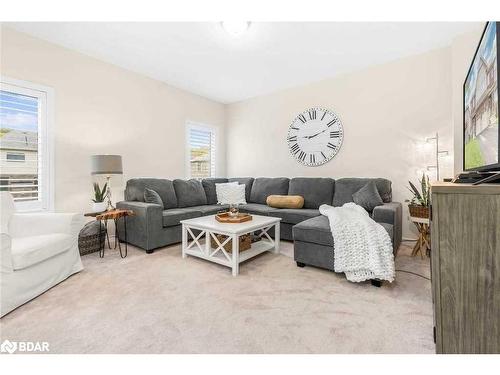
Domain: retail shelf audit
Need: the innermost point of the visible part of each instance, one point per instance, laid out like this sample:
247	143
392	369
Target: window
26	166
201	150
15	156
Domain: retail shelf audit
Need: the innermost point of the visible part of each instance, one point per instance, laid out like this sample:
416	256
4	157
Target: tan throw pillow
285	201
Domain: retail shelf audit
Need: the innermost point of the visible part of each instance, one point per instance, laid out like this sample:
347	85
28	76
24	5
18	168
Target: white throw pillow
221	191
230	193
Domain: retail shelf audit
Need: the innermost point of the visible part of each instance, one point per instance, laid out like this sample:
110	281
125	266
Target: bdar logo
8	347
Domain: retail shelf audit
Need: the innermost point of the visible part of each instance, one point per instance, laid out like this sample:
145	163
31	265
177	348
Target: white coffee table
200	246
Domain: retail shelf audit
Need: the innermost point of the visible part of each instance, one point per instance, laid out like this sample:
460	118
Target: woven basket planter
419	211
89	239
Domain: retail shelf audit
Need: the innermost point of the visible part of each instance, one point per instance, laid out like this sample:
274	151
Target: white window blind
25	167
201	144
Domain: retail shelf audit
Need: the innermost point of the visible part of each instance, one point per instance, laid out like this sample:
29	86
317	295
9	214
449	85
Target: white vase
99	206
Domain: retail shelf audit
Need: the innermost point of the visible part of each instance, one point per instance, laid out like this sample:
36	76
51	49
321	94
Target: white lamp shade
106	164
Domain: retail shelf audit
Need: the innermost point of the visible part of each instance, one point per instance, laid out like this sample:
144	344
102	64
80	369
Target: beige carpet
161	303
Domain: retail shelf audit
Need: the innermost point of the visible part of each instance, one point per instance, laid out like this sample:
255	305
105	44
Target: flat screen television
481	134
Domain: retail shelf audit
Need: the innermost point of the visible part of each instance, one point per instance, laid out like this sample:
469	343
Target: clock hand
314	135
310	136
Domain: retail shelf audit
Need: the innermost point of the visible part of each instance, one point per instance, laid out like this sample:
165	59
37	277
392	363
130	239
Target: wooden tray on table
225	218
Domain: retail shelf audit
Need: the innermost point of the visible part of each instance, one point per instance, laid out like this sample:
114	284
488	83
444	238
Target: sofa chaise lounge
154	226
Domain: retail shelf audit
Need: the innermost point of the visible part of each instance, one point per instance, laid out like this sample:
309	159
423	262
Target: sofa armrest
5	253
388	213
34	224
391	213
144	224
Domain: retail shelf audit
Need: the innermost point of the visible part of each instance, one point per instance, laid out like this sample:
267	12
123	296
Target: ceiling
202	58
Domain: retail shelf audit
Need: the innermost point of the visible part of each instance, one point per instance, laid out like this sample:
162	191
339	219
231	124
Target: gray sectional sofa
154	226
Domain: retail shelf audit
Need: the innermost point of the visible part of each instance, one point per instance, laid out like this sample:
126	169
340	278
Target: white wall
101	108
387	112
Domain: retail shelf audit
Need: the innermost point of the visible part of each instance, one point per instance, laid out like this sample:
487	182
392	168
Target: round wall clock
315	136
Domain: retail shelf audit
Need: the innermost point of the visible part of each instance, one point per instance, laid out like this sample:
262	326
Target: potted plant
419	203
99	205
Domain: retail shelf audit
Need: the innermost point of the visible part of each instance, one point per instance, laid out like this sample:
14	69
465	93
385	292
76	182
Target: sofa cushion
257	209
210	209
346	187
368	197
210	191
247	181
316	191
165	189
317	230
173	216
27	251
262	187
294	215
189	193
151	196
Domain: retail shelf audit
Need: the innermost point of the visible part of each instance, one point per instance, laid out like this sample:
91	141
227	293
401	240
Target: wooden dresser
465	267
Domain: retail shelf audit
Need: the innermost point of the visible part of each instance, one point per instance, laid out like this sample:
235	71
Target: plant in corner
100	195
419	203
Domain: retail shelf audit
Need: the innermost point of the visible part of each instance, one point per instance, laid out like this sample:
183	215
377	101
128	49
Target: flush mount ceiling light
235	28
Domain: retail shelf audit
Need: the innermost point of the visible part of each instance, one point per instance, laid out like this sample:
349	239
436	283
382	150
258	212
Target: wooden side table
424	233
103	218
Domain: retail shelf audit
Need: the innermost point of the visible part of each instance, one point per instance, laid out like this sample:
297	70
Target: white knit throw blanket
362	247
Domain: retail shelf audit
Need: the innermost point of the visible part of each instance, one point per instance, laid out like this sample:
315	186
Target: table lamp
107	165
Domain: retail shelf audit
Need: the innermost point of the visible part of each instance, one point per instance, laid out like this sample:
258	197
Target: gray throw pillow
151	196
368	197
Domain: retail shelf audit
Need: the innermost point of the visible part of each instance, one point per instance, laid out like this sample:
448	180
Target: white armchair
38	251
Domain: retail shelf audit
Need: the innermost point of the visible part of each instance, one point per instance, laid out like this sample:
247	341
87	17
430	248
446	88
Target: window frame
45	95
213	157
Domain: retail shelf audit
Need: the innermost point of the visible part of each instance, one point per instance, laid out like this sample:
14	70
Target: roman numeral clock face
315	136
